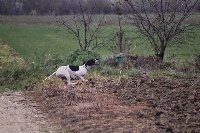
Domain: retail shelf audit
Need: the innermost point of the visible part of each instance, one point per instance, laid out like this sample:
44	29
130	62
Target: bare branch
161	20
83	28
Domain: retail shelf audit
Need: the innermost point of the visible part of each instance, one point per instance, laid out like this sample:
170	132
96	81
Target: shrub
51	62
78	56
14	76
15	73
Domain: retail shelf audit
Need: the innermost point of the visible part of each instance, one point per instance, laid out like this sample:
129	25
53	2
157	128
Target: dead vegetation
135	104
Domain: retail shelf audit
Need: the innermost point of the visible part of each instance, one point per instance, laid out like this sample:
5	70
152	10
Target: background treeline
60	7
57	7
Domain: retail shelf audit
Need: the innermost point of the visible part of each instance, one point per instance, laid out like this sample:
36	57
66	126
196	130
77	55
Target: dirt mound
173	104
137	61
134	104
88	108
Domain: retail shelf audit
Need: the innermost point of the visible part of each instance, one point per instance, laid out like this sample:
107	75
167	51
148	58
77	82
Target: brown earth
137	104
20	116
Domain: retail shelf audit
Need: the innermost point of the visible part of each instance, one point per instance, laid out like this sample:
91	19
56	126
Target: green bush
51	63
78	56
15	73
15	77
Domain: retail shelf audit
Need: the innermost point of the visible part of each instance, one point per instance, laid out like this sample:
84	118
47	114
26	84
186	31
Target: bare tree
160	21
120	32
119	40
85	27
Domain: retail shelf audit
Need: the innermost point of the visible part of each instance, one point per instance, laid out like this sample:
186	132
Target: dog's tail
49	76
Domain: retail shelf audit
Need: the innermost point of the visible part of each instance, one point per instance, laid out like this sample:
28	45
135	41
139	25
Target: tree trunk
121	41
161	55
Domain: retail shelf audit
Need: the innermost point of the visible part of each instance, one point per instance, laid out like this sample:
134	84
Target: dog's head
91	62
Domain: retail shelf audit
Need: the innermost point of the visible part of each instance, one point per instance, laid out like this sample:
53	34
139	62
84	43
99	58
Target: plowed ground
130	105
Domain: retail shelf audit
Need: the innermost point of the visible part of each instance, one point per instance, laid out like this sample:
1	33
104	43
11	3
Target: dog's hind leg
67	75
65	78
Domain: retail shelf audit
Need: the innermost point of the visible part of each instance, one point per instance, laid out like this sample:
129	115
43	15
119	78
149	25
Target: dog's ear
84	62
90	62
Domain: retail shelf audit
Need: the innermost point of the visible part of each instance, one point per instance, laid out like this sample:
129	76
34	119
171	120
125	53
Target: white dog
66	73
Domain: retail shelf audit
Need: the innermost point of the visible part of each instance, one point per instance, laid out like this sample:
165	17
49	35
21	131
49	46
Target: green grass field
32	39
29	40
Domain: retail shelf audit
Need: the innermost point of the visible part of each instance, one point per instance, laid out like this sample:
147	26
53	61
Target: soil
135	104
19	116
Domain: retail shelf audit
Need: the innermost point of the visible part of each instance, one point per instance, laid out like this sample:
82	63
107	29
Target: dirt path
18	117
